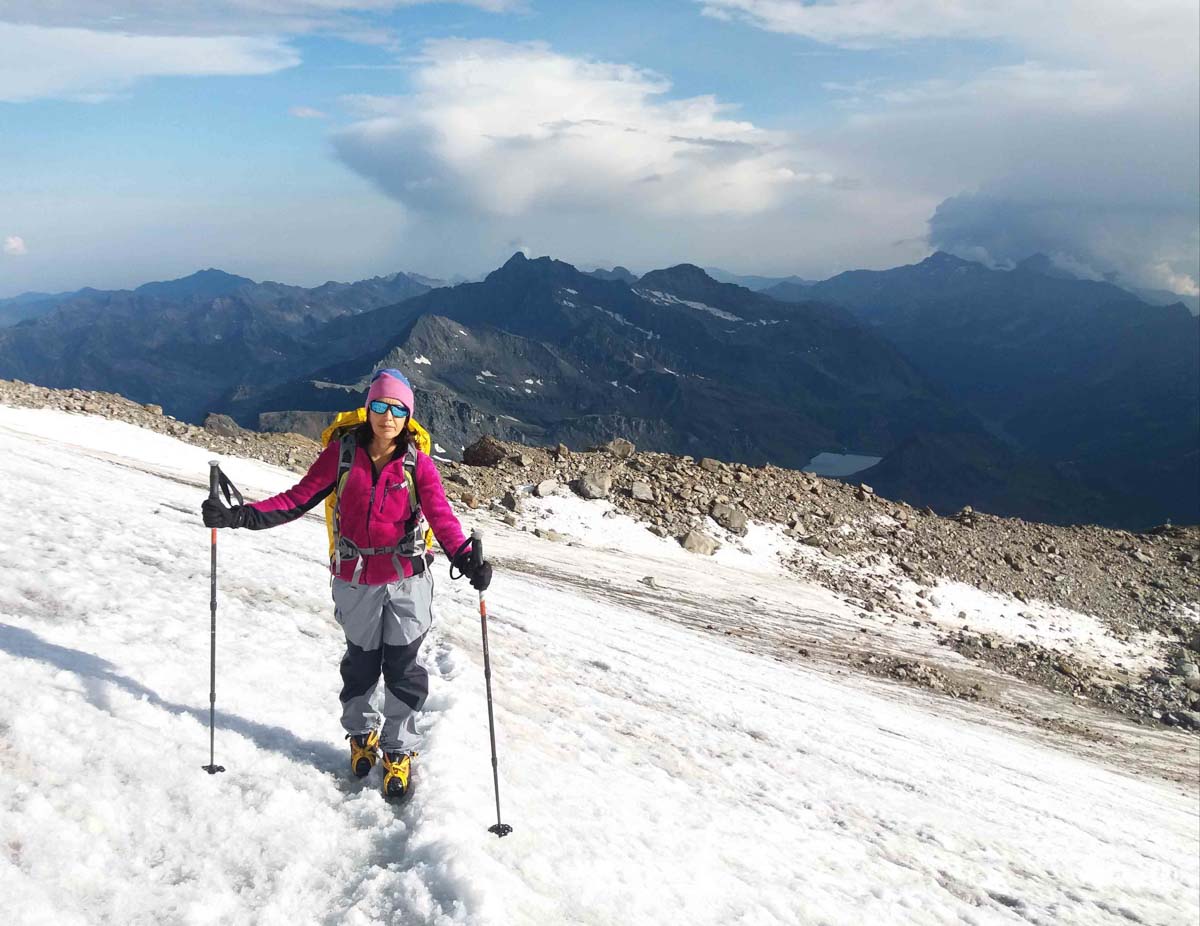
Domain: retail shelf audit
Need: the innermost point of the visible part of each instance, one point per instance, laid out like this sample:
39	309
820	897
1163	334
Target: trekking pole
500	829
214	472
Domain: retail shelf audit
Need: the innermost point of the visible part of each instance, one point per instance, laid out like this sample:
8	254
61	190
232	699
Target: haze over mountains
1020	392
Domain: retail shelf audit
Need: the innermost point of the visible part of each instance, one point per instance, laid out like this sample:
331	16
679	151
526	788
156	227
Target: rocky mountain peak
942	260
203	284
521	269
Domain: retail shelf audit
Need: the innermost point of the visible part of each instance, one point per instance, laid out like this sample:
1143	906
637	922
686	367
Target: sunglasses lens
381	408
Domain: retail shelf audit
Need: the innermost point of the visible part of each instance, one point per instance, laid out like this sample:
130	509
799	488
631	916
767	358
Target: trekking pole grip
214	472
476	546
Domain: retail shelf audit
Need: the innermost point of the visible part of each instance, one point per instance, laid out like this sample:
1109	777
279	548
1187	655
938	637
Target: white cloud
306	112
1084	29
14	246
90	51
503	129
83	64
1085	146
217	17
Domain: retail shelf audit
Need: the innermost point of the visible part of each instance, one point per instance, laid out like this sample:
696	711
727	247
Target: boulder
709	465
695	541
642	492
510	501
487	451
222	425
545	487
593	485
730	518
619	448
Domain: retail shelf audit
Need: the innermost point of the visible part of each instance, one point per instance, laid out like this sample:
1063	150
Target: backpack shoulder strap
347	446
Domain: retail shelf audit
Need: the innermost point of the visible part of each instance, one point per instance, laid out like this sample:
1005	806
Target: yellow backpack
342	430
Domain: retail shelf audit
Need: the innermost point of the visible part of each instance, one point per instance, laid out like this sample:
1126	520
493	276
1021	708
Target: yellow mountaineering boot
397	772
364	750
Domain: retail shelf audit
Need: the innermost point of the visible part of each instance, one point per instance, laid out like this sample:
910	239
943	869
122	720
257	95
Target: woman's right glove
218	515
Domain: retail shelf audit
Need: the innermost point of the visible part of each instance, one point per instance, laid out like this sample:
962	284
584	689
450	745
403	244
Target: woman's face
387	426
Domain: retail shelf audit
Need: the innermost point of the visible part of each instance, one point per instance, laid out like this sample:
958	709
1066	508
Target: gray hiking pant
384	627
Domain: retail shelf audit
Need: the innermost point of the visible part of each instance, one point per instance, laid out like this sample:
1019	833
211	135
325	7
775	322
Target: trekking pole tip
500	829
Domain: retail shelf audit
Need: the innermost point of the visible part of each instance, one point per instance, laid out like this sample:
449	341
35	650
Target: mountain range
1079	374
1018	392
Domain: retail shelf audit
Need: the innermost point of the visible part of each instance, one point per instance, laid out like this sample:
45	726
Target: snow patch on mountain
661	298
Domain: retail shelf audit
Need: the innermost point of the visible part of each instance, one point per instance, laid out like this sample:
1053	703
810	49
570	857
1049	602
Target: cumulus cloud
14	246
504	129
1093	238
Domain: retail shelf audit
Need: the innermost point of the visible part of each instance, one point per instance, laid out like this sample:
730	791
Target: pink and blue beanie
391	384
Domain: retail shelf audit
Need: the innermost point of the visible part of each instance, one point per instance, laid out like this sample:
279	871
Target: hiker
382	581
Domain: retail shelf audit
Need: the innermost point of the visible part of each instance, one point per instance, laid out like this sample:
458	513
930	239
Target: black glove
480	574
218	515
481	577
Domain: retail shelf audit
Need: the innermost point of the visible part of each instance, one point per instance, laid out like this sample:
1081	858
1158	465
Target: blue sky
303	140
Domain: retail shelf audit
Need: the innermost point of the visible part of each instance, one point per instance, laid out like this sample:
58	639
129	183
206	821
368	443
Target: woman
382	584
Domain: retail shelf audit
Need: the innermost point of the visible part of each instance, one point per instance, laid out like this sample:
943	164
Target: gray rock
510	501
553	536
730	518
487	451
545	487
620	448
709	465
593	485
222	425
695	541
642	492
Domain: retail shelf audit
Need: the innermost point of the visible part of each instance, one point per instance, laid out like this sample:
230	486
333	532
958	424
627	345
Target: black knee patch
404	676
360	671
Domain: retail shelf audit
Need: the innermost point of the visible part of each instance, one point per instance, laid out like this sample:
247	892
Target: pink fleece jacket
373	511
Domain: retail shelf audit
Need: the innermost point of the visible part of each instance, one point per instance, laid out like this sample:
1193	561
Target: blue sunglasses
380	407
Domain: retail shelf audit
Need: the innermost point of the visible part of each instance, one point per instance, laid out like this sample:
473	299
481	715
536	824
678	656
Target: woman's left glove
218	515
480	574
481	577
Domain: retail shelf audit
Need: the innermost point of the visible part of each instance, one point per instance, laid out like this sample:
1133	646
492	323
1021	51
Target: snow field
651	775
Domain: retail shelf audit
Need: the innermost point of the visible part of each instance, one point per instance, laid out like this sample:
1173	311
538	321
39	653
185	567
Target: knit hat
390	384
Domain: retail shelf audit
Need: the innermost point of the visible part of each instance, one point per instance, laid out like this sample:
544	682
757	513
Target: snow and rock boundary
884	558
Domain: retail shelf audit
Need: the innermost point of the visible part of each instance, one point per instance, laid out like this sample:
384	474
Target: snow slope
652	774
